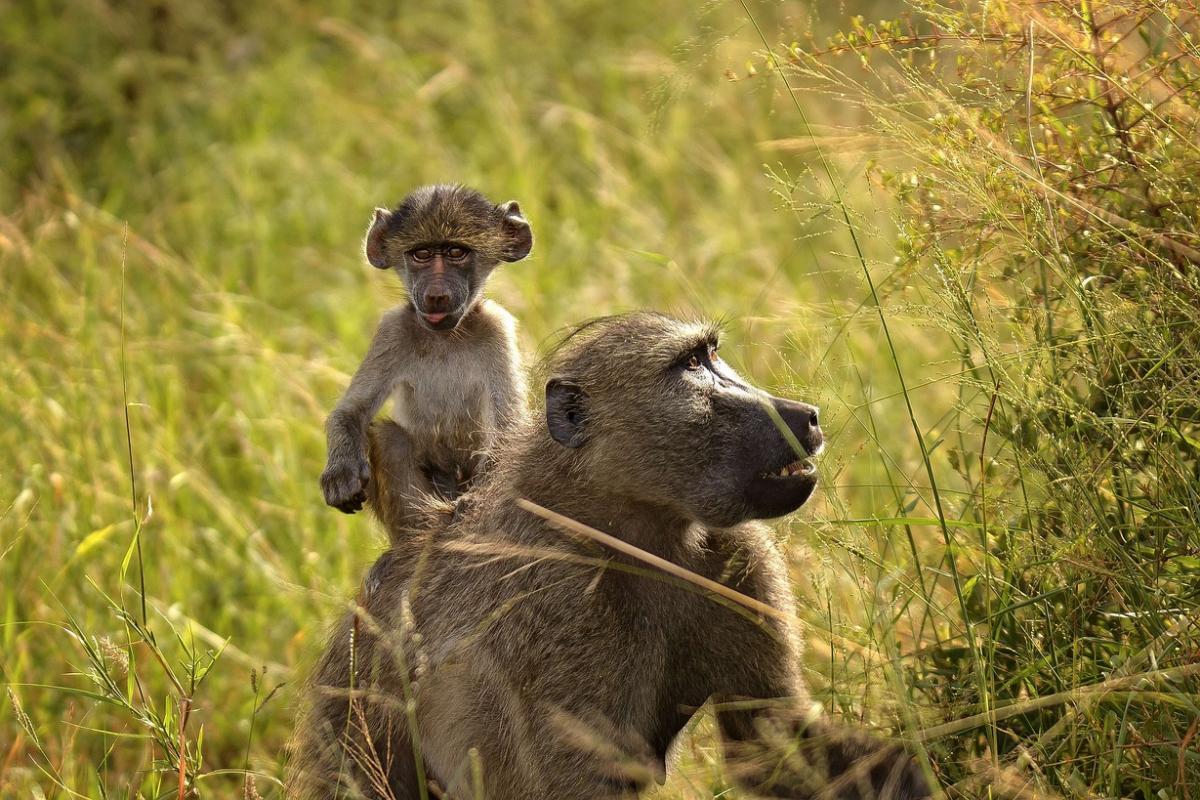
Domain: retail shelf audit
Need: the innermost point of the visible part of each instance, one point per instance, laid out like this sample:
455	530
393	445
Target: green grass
1002	561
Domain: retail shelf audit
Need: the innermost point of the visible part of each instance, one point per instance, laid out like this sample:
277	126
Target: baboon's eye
694	362
457	253
424	254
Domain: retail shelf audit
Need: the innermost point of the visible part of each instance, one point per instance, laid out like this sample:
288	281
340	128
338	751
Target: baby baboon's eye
694	362
457	253
424	254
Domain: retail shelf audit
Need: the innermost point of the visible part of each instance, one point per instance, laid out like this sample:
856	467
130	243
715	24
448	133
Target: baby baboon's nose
437	302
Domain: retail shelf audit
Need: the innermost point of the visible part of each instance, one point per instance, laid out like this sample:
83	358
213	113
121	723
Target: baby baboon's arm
344	481
508	395
505	403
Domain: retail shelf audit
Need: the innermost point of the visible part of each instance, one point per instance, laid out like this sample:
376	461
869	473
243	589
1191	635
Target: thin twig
668	567
137	526
1087	693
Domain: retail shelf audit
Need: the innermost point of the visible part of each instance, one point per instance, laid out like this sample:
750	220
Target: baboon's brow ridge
651	335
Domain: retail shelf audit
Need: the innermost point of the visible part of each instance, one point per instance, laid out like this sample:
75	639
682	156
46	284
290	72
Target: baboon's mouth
441	321
801	467
781	490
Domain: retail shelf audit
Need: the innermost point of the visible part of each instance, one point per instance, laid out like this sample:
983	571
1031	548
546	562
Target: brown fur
457	382
495	655
448	213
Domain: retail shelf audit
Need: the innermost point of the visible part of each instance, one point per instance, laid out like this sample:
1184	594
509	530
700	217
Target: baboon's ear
566	412
376	234
518	236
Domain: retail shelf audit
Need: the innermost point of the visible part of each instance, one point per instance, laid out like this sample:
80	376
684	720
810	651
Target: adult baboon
495	655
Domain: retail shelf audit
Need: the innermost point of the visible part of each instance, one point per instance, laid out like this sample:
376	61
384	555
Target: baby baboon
449	359
498	656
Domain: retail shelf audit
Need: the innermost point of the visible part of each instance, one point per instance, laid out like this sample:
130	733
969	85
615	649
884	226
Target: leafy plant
1046	163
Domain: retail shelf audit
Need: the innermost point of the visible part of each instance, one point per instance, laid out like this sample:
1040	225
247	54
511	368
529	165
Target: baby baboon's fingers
345	485
350	507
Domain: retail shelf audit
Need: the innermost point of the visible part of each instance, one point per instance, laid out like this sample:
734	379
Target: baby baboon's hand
344	483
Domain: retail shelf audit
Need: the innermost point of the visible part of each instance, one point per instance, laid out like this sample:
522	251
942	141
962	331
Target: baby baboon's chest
446	405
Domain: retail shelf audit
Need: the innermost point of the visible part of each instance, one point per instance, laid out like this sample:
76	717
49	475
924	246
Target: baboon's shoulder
495	319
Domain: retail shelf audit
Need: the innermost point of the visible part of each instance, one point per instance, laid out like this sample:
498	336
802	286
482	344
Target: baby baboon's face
443	241
442	283
667	420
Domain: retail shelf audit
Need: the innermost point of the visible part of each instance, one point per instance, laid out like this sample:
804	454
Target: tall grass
975	255
1045	160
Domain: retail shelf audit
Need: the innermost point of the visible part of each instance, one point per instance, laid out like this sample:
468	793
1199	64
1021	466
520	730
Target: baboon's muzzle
783	475
440	308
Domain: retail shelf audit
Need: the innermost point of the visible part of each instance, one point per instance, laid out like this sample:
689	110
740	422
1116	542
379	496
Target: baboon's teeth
799	467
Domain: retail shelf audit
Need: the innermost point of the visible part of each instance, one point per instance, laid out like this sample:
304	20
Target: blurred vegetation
970	234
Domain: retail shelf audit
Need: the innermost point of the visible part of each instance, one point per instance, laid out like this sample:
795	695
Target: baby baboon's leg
784	752
444	482
397	480
350	750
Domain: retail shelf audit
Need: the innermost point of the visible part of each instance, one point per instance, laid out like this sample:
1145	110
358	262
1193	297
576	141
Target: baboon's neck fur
564	485
573	481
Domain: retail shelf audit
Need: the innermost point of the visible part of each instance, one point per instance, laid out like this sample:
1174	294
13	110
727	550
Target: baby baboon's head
655	415
444	241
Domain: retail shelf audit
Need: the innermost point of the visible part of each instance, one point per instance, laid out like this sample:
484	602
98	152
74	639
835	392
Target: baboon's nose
804	420
437	302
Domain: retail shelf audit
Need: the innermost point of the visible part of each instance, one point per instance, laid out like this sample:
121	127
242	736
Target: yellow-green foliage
1050	186
183	191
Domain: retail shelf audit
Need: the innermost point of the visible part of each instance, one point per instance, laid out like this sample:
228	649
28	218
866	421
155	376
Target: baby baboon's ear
376	234
518	236
566	412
